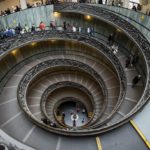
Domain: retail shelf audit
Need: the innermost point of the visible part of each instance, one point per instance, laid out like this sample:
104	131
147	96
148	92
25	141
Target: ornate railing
129	15
38	36
9	143
20	40
62	84
97	44
111	18
129	29
39	68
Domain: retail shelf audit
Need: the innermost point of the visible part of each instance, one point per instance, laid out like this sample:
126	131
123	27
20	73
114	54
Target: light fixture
14	52
52	40
56	14
118	30
142	17
33	43
88	17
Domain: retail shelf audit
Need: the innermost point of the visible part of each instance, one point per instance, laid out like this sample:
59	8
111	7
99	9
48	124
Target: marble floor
72	113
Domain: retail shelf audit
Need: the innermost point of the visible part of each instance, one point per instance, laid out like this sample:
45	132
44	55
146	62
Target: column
23	4
126	3
144	2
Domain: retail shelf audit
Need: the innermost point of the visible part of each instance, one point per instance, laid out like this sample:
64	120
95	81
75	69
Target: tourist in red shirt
42	26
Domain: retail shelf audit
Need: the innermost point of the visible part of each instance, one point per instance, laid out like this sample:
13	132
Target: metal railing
86	39
131	31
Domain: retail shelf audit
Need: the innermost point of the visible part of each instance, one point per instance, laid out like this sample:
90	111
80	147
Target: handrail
43	5
104	49
70	84
106	7
135	35
36	70
62	34
130	30
117	13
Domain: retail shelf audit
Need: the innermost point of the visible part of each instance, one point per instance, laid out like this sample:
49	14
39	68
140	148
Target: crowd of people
136	8
120	3
48	2
131	61
19	29
73	28
63	115
17	8
48	122
74	113
10	32
9	11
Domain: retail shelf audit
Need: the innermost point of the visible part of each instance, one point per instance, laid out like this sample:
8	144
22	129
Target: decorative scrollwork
70	36
36	70
128	28
100	13
28	77
58	85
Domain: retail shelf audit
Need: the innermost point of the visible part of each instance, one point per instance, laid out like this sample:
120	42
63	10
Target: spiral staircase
48	66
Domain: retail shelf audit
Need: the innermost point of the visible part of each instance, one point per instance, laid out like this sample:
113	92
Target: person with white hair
74	29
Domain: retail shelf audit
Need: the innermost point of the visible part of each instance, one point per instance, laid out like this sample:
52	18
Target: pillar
144	2
23	4
126	3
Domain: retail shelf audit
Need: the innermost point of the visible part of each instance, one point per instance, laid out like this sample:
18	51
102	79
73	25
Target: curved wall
102	27
139	20
12	58
28	16
102	30
45	14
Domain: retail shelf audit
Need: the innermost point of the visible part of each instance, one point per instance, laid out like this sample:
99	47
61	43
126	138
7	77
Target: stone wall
125	3
28	16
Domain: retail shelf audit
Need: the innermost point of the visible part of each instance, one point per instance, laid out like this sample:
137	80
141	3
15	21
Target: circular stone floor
75	113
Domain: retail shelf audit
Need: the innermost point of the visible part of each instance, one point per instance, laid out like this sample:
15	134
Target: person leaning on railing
134	8
9	32
33	28
52	25
26	28
42	25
